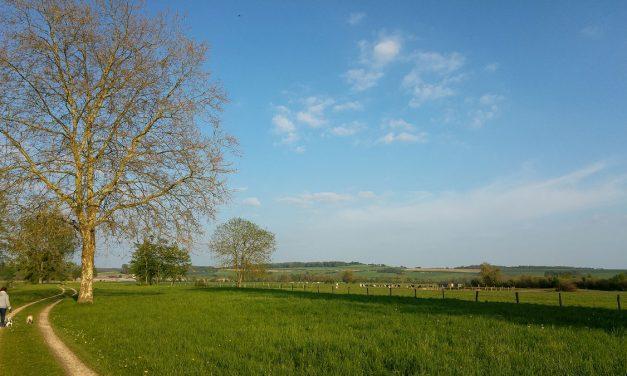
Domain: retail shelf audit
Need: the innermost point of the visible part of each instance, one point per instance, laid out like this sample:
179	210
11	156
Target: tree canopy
243	246
41	246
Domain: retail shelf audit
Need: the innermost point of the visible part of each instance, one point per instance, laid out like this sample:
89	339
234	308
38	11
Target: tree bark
86	293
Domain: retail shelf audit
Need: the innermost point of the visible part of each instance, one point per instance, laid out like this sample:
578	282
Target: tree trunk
86	294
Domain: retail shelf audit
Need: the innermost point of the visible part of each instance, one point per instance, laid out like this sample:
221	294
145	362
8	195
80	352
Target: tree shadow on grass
611	321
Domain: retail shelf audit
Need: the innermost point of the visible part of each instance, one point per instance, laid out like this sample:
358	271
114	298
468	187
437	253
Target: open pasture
189	330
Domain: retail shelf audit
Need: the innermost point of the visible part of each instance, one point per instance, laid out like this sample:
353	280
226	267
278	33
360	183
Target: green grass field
162	330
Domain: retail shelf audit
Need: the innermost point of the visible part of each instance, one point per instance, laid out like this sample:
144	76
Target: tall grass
198	331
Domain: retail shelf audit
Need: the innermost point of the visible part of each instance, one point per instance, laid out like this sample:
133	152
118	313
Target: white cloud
306	199
592	32
386	50
300	149
251	201
355	18
309	199
492	67
284	127
429	61
398	124
348	106
381	52
511	221
433	76
489	108
361	79
313	113
504	201
366	194
347	129
403	137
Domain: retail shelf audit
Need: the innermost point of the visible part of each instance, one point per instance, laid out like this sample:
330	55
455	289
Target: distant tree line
313	264
490	275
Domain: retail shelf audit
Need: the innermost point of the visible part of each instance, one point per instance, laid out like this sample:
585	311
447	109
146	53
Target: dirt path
69	361
17	310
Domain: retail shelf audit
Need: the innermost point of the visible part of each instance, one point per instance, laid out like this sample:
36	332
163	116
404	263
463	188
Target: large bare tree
110	113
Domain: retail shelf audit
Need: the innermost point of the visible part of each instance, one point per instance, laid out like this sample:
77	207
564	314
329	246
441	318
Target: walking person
5	304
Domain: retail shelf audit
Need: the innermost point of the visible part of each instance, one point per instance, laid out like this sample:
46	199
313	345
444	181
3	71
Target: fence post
559	294
292	287
332	289
390	291
476	295
618	301
442	293
517	300
415	296
318	288
367	292
304	287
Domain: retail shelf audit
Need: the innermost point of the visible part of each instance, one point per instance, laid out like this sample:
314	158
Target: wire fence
580	298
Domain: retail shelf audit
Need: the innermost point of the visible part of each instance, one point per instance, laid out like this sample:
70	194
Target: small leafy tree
155	261
242	245
42	244
348	276
174	262
490	275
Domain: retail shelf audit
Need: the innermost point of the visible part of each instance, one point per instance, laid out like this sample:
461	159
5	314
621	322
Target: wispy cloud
492	67
285	128
488	109
251	201
403	137
362	79
401	131
313	113
374	56
355	18
591	32
306	199
433	76
349	129
505	201
348	106
309	199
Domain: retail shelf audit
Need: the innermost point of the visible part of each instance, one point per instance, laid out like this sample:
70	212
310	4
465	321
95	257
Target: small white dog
29	319
9	322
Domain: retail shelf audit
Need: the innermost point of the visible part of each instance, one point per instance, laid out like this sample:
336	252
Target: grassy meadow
163	330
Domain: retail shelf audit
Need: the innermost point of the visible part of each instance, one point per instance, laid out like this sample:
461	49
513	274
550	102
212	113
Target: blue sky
425	133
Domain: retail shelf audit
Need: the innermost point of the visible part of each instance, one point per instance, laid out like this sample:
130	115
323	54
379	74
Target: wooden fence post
476	295
517	300
332	289
390	291
559	294
618	301
318	288
367	292
442	293
292	287
415	296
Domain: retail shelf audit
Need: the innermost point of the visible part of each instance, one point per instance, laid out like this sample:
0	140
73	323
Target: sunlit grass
185	330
